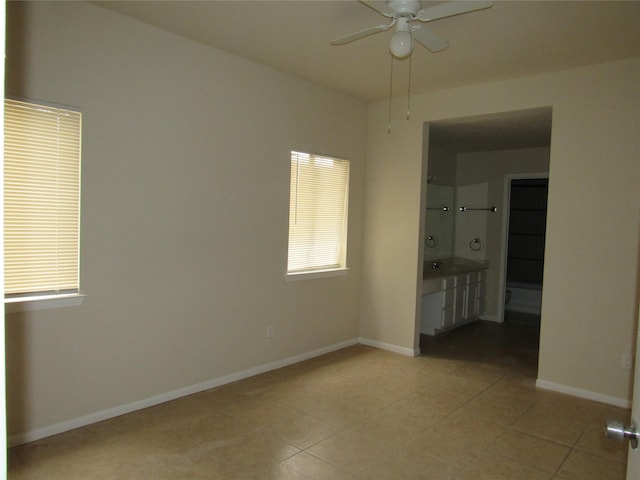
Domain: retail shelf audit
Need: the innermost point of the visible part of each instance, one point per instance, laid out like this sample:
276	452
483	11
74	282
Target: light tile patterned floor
468	410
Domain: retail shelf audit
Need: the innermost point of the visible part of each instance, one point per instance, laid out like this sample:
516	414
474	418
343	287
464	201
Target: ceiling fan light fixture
401	44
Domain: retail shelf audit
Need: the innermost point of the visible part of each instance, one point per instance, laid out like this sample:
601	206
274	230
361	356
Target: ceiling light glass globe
401	44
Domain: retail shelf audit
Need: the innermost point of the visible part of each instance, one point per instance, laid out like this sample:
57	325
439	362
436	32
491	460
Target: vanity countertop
432	277
451	266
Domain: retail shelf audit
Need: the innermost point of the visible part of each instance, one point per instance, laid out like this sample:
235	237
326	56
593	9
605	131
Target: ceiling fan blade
431	41
451	8
381	7
361	34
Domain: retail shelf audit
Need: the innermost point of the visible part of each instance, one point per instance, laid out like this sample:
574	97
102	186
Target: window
41	199
317	213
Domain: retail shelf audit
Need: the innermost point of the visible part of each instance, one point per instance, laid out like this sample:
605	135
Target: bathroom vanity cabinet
451	301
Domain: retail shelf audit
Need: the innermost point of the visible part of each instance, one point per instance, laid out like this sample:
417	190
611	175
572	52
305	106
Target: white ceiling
497	131
511	39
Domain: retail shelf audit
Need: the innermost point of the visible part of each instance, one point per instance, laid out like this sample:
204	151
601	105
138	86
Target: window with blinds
41	199
317	213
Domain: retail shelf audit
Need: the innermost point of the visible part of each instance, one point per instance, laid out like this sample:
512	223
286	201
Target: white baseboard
390	347
578	392
85	420
106	414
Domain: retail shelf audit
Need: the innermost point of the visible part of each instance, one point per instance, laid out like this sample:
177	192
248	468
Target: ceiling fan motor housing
406	7
403	13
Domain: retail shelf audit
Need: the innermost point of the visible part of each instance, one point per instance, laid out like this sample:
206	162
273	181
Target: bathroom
476	168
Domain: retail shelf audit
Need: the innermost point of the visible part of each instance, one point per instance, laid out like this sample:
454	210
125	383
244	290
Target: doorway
463	152
524	250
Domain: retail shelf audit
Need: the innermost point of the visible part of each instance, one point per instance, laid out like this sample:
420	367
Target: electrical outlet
270	331
626	361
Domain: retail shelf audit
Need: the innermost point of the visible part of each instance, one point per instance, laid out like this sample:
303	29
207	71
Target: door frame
506	202
633	457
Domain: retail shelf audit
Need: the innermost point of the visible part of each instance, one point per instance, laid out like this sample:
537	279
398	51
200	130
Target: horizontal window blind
317	212
42	198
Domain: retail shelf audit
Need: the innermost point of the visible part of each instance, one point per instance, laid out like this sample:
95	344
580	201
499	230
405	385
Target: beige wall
442	163
184	215
590	295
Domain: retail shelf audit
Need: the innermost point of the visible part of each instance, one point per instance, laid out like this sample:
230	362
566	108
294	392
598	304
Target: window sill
336	272
42	302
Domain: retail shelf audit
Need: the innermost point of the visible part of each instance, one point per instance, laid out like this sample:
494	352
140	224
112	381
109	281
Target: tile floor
465	410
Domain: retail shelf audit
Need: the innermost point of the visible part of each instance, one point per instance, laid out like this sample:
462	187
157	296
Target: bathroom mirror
438	238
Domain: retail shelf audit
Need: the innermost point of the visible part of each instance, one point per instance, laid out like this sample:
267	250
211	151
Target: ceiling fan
403	13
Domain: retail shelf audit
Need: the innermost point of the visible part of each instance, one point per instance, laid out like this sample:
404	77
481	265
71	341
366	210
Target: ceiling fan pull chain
390	92
409	90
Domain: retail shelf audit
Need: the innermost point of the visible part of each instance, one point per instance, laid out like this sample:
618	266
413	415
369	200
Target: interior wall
471	225
590	290
185	197
442	164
